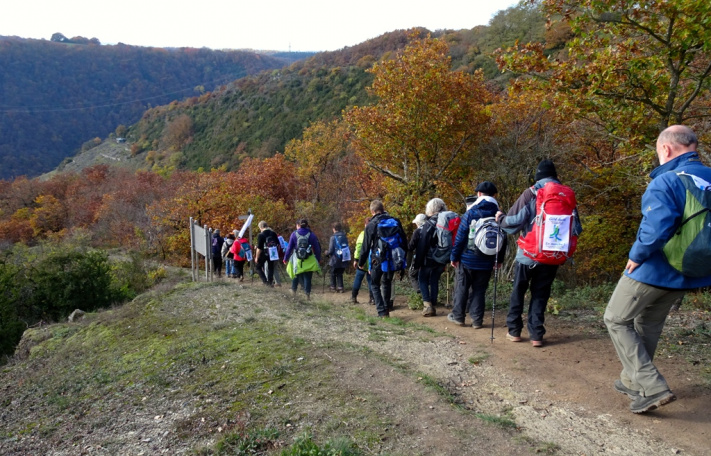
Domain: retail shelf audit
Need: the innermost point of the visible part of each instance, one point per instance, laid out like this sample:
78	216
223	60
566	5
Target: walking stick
323	288
496	280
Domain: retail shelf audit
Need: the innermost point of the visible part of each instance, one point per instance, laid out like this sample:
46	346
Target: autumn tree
633	67
426	120
338	185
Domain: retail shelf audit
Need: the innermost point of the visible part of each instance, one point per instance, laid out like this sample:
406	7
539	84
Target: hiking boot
513	338
476	325
429	310
451	318
642	404
386	315
332	289
621	388
354	300
308	296
293	292
537	343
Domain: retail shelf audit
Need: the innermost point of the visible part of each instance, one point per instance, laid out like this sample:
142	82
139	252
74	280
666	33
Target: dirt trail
573	373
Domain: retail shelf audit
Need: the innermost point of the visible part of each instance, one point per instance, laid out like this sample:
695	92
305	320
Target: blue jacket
485	207
662	209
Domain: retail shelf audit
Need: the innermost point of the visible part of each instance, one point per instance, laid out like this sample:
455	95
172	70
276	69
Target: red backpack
551	239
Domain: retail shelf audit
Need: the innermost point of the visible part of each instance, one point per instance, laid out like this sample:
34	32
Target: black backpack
271	240
303	246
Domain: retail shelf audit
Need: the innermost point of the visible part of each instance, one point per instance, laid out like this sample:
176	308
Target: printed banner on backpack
345	253
556	233
273	253
283	243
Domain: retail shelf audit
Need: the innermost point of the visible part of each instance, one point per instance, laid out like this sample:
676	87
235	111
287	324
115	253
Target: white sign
199	236
283	243
273	253
556	233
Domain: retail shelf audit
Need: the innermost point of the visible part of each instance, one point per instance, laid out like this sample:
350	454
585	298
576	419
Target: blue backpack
389	253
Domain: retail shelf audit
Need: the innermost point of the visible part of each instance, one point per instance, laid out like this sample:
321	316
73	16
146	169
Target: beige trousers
635	318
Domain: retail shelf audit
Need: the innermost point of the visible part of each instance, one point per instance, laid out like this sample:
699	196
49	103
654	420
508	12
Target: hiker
302	257
227	256
662	265
412	272
536	274
383	244
427	259
360	272
241	253
217	242
339	256
267	253
474	261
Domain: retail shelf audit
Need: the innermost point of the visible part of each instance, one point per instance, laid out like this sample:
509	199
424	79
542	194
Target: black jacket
370	239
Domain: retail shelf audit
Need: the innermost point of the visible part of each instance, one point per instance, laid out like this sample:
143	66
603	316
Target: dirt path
573	374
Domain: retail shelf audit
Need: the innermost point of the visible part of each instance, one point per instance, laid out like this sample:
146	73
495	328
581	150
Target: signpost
199	245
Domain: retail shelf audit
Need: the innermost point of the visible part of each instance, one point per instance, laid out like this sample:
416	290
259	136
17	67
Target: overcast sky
306	25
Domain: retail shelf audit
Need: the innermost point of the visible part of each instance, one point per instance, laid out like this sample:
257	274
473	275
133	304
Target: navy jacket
484	207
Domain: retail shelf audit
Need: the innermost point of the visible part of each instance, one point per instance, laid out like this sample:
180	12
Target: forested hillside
57	95
258	115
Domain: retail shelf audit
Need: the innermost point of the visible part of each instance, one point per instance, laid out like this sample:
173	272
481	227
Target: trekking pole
323	288
496	280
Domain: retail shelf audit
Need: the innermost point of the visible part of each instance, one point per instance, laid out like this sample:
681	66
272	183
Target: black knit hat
487	188
546	168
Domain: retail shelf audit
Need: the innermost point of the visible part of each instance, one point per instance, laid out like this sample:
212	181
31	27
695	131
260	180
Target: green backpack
689	249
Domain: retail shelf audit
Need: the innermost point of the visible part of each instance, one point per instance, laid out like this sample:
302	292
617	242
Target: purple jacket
313	240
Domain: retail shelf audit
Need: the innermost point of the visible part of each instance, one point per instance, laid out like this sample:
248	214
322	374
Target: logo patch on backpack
551	239
689	249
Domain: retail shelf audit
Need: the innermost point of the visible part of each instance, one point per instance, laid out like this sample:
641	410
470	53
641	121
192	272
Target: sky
296	25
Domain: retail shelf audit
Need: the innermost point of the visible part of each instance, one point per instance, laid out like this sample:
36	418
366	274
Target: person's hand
631	266
498	216
455	264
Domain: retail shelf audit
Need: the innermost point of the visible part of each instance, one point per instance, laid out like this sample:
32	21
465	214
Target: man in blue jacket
644	295
473	266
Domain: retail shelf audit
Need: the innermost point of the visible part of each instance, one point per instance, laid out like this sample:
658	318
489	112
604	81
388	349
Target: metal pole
192	251
496	280
208	254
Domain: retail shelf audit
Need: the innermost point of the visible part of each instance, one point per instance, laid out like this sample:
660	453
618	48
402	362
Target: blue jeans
540	279
429	282
304	279
230	267
469	293
358	281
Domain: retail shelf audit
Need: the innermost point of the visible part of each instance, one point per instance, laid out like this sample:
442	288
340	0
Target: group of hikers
671	255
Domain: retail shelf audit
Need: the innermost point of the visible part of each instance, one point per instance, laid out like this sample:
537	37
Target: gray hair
434	206
262	225
679	135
